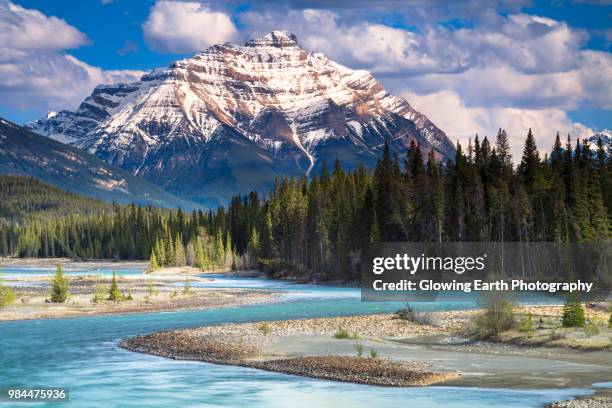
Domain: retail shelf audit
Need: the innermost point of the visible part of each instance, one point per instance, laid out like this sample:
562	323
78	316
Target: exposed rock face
231	118
25	153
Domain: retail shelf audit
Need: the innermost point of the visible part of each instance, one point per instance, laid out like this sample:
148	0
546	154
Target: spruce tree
179	252
114	292
153	265
59	286
573	312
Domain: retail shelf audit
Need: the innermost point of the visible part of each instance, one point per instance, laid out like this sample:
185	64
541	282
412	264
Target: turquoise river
82	355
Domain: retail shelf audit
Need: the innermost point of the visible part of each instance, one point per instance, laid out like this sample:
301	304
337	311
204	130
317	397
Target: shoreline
165	290
289	346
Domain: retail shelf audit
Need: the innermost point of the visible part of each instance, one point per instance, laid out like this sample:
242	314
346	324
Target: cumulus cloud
35	71
513	70
30	30
184	27
462	123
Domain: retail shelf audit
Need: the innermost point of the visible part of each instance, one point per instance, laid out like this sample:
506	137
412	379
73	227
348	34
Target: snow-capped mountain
231	118
25	153
606	138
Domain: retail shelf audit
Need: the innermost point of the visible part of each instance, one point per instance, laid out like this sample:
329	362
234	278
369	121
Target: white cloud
461	122
515	71
516	60
30	30
35	71
184	27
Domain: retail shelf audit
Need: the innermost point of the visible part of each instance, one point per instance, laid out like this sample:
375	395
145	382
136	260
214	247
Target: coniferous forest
318	226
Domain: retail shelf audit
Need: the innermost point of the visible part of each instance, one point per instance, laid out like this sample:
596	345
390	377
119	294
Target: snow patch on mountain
294	107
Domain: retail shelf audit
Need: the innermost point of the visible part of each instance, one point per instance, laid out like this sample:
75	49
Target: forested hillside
24	198
318	227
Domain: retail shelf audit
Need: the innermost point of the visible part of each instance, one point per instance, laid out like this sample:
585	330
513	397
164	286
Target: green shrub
591	329
573	313
187	287
373	354
7	296
610	322
358	348
264	328
526	324
342	334
114	292
151	288
99	293
498	315
59	286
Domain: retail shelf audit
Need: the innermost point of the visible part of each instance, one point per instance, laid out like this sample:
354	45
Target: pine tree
254	246
7	296
573	313
530	168
179	252
153	265
59	286
114	292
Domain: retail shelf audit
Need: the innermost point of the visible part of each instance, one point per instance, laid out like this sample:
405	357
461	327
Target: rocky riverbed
249	351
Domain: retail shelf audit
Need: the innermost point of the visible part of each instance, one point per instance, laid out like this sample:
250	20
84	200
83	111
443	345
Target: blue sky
472	66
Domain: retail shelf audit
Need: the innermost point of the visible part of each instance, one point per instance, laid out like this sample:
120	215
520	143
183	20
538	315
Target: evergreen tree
254	246
179	252
153	265
573	313
114	292
59	286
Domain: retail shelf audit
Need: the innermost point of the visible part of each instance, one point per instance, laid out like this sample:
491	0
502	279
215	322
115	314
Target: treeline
320	226
37	220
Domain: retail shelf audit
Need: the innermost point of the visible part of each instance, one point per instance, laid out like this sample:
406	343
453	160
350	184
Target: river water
81	354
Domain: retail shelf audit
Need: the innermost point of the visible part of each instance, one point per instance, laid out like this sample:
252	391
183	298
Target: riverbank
169	289
435	349
260	345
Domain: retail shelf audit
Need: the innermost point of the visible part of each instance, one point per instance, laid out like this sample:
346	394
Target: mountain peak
278	39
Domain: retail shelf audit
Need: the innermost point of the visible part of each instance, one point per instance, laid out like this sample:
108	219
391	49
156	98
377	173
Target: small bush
187	287
151	288
99	294
573	313
129	295
173	294
373	354
264	328
358	348
7	296
498	316
526	324
342	334
591	329
610	322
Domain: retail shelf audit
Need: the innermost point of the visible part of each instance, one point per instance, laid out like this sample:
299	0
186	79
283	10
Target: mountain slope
606	138
233	117
26	153
27	198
